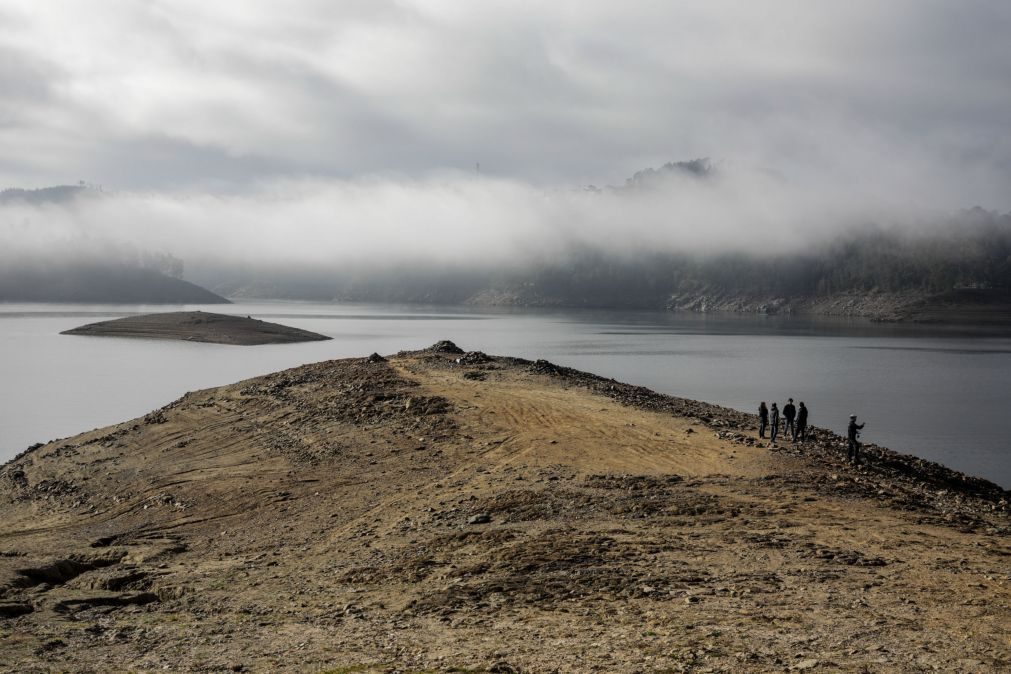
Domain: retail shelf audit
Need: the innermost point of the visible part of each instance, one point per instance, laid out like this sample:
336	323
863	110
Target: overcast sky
191	94
325	131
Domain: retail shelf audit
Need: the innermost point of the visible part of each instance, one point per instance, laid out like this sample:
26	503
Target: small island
199	326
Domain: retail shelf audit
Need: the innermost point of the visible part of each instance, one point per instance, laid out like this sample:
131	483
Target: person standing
763	419
774	426
789	413
801	423
853	447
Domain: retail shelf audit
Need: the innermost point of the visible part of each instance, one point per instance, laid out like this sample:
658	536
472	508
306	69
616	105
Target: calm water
938	394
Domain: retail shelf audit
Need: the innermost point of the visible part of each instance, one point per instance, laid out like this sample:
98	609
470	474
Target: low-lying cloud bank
457	220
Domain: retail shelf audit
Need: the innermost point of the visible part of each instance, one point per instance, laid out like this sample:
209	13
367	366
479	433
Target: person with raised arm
853	446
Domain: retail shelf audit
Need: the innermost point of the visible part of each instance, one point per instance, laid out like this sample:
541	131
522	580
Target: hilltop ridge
442	510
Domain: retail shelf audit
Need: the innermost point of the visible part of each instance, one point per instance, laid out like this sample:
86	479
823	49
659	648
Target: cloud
451	220
187	95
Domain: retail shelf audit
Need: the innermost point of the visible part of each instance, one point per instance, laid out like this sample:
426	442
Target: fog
455	219
350	133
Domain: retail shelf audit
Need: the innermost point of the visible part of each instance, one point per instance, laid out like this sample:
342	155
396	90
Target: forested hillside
98	283
873	272
44	195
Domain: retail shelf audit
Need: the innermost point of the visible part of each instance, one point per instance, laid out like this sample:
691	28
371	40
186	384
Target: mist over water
935	393
455	222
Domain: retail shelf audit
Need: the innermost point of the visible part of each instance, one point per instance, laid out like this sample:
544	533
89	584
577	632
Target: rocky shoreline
965	307
902	479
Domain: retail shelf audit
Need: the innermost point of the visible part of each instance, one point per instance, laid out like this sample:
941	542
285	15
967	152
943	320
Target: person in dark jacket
763	419
853	447
789	413
801	423
774	426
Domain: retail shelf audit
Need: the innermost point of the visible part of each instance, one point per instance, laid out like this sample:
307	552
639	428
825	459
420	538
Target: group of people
795	421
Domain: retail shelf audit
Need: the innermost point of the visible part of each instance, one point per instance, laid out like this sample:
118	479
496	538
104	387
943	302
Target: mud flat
199	326
441	511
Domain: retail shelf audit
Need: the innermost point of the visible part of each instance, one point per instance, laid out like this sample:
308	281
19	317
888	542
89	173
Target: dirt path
541	426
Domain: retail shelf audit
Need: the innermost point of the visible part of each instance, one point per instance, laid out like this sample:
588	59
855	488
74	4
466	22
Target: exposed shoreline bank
964	308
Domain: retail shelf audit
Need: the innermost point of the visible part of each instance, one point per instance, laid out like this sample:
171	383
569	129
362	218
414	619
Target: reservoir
939	393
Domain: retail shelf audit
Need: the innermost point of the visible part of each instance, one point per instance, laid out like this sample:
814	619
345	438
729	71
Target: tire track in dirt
575	427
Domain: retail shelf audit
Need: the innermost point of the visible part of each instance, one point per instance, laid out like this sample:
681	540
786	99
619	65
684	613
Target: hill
104	283
198	326
87	269
443	511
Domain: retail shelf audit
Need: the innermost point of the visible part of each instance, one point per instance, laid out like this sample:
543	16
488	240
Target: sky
308	111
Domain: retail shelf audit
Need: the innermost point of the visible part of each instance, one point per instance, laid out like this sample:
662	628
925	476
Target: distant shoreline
959	307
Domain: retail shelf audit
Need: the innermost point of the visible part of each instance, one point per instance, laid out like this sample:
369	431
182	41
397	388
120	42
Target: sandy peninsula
199	326
441	511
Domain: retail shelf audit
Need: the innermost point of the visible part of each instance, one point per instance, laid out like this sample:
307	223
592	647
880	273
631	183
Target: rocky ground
441	511
198	326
